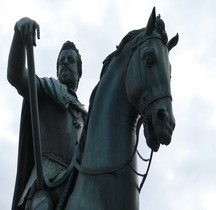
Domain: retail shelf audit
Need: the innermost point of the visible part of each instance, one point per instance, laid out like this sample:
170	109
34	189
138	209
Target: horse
134	83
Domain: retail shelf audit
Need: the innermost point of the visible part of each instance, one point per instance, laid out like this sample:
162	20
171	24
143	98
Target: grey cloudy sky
182	175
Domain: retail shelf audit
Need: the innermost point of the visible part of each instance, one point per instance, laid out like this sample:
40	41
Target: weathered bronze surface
135	81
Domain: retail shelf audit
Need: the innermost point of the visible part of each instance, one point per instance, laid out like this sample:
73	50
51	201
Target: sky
183	174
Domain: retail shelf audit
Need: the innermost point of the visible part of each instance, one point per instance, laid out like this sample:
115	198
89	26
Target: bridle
159	96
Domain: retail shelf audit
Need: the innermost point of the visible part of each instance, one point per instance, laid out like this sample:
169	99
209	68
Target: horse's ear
151	23
173	42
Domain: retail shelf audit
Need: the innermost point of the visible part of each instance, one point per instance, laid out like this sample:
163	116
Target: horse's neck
111	131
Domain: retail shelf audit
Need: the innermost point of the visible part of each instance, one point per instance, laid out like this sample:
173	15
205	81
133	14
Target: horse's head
148	81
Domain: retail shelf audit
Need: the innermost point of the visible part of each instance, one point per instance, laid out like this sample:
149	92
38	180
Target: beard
68	78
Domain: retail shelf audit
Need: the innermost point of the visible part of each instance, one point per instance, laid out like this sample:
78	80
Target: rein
115	169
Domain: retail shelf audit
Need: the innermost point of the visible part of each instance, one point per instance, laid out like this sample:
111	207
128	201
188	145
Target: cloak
25	163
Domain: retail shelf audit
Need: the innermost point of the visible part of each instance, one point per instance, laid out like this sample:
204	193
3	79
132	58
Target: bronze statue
134	85
135	81
61	121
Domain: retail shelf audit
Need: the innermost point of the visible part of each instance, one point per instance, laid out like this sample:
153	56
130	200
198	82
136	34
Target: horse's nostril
161	114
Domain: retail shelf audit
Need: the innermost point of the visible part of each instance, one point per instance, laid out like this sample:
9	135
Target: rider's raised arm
16	72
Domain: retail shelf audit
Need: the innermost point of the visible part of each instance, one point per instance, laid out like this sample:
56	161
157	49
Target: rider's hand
27	27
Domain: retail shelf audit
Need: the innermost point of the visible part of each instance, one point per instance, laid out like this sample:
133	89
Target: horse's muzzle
159	129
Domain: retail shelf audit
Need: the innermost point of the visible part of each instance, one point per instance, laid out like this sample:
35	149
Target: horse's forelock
160	29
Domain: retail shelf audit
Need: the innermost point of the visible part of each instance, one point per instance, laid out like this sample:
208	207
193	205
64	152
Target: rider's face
68	68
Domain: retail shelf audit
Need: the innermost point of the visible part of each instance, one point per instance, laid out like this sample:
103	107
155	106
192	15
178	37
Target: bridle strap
144	39
156	98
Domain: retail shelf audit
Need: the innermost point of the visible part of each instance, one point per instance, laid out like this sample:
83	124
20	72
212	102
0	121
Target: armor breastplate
60	129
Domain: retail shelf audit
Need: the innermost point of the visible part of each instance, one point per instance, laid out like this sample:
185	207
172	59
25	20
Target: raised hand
28	27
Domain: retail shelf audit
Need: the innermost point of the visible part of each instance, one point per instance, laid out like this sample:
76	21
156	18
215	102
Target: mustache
66	68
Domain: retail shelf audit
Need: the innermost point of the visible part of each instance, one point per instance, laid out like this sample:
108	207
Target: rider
61	118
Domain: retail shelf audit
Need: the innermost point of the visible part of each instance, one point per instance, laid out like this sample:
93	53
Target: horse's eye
149	60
